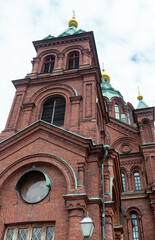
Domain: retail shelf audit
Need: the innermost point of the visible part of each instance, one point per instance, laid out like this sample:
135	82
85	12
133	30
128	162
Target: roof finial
139	95
73	14
103	67
72	22
103	74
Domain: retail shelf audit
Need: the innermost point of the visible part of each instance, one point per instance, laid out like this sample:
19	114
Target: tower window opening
54	111
49	64
134	223
123	182
73	60
137	181
117	111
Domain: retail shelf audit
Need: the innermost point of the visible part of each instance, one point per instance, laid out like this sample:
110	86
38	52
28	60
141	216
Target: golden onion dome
72	21
105	75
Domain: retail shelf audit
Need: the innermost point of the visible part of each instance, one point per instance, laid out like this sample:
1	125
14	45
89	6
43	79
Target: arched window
137	181
73	60
129	119
48	64
123	182
117	111
54	111
134	224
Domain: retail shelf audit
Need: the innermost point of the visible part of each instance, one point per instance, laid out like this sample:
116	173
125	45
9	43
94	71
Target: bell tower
65	78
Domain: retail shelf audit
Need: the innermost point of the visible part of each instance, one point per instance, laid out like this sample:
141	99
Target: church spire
105	75
107	90
139	95
141	103
72	22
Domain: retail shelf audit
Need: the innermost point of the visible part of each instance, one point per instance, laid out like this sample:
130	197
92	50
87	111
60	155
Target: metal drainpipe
106	148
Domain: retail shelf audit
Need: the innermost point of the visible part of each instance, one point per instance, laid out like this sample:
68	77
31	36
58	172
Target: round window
33	186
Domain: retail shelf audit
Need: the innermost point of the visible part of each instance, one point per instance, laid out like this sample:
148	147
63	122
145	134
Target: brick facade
72	155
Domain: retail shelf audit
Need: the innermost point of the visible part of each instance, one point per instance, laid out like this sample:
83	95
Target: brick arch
145	121
139	169
133	209
124	169
135	168
48	52
45	158
67	50
71	48
130	106
106	99
118	100
52	90
43	54
125	140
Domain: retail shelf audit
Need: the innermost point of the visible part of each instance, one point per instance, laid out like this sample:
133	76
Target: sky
124	32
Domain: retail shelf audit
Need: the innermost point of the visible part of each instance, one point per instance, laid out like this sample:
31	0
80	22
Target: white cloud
124	34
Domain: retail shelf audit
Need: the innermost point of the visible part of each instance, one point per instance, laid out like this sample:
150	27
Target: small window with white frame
134	224
31	231
137	181
117	111
123	182
129	119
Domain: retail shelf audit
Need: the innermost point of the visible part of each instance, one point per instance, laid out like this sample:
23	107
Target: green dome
107	90
141	104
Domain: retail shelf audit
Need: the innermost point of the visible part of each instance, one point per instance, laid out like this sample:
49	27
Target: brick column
86	58
128	227
110	104
60	61
152	199
109	213
129	182
76	205
125	110
27	109
35	64
81	169
75	117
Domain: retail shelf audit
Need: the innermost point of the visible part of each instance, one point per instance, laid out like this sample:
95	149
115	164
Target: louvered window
49	64
54	111
30	232
73	60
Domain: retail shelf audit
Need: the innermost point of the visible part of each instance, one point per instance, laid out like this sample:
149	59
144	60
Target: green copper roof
141	104
48	37
108	91
72	30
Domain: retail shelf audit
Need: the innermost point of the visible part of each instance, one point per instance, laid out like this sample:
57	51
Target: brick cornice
123	127
86	145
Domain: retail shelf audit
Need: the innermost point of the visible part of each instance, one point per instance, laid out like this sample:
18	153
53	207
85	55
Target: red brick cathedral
72	145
